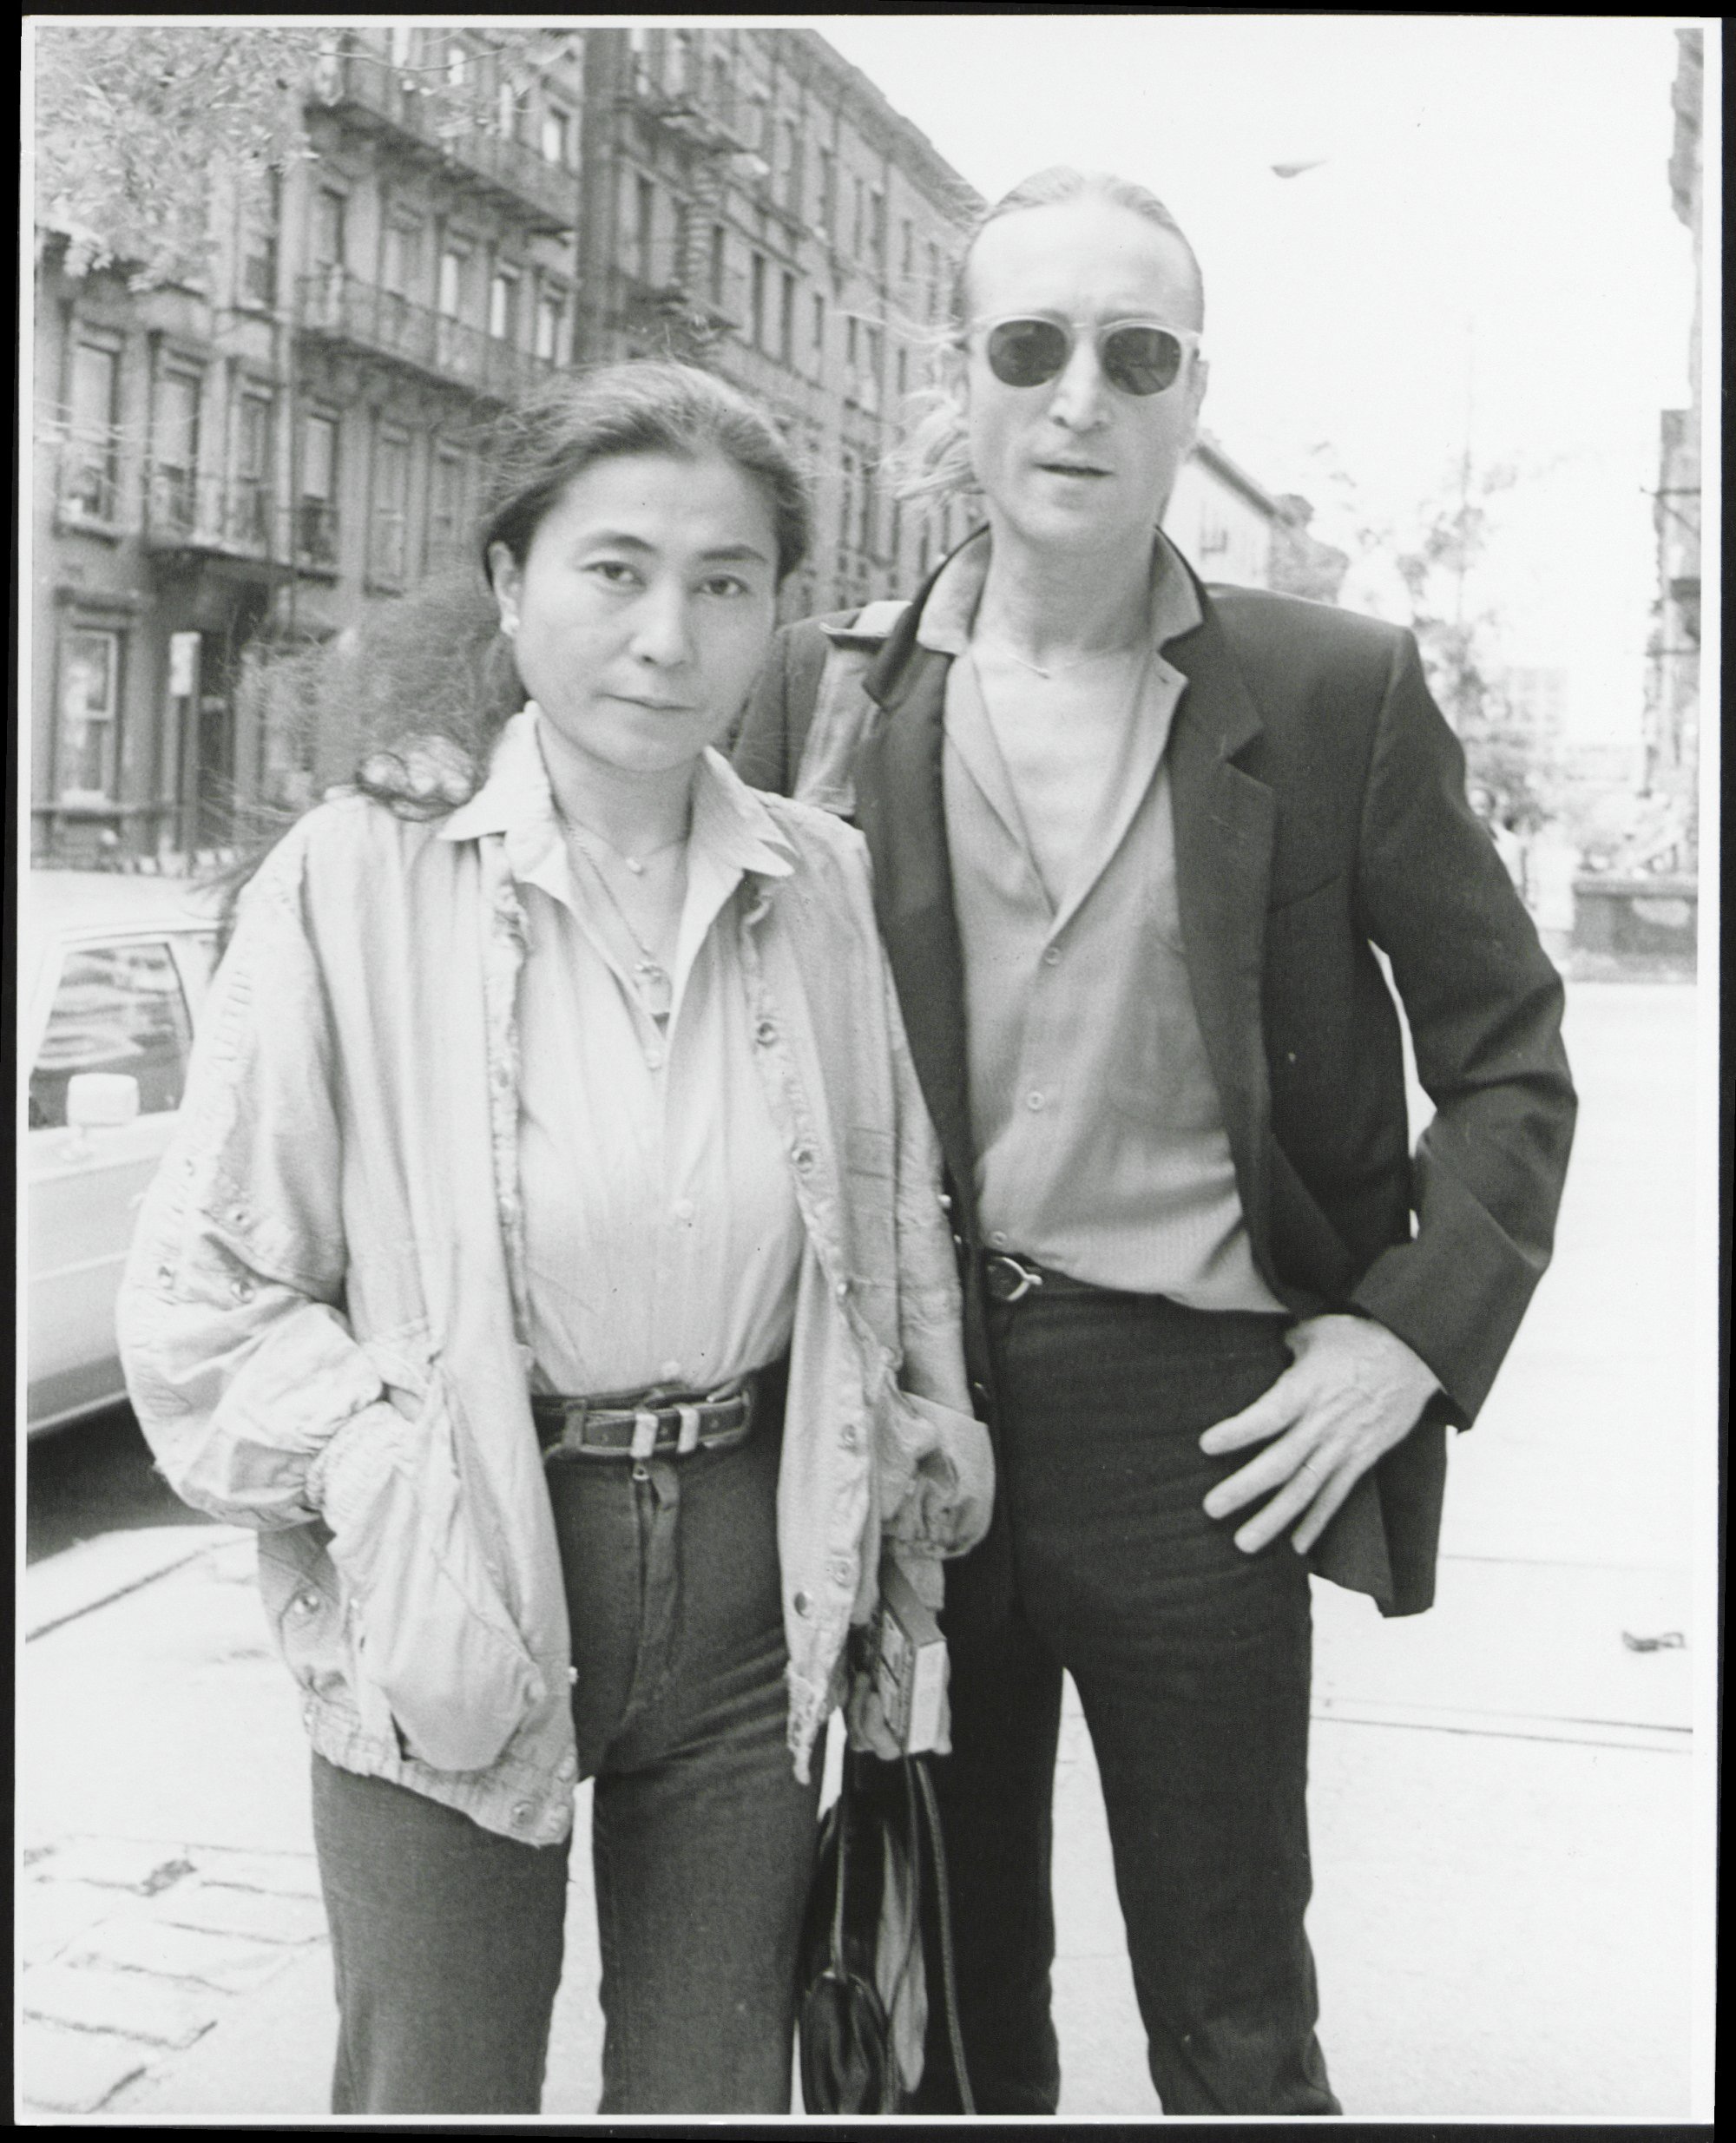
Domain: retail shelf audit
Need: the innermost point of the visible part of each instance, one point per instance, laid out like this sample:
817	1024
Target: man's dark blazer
1320	811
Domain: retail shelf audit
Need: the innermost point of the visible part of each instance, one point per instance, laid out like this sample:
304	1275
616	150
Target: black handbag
877	1912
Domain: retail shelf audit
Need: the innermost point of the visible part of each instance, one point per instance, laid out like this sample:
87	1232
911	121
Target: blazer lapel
900	811
1225	823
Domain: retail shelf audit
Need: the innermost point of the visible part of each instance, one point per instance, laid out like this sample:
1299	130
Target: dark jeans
447	1938
1192	1662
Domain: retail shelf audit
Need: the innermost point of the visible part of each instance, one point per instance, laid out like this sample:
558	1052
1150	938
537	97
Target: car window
198	952
118	1009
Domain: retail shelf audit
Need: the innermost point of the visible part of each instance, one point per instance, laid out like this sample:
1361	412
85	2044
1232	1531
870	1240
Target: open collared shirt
662	1238
1101	1144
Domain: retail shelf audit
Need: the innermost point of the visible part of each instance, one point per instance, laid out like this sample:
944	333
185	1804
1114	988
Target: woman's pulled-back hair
407	703
934	459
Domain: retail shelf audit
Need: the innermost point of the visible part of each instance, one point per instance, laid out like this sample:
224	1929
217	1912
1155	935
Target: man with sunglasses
1134	843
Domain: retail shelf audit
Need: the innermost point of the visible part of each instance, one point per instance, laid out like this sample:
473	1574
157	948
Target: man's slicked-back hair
933	460
1053	189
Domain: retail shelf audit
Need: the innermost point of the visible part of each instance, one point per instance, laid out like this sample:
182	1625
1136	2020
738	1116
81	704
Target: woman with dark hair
549	1265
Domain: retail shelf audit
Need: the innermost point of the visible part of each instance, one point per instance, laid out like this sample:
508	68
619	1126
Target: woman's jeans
1192	1664
447	1938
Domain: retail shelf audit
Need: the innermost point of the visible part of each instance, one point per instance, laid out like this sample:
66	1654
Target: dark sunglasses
1140	356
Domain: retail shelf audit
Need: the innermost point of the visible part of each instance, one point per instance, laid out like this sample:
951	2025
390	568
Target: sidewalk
1501	1792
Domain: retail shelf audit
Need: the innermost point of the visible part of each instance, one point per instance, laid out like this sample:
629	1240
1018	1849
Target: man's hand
1354	1390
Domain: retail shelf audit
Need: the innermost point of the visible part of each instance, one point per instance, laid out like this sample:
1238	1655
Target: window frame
107	793
389	556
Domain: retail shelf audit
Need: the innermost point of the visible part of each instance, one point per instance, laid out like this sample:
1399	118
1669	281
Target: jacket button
801	1603
841	1290
803	1158
980	1393
567	1767
241	1290
165	1274
766	1033
307	1603
521	1813
850	1435
945	1198
842	1570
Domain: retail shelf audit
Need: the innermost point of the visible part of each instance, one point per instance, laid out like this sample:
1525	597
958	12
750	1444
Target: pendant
654	988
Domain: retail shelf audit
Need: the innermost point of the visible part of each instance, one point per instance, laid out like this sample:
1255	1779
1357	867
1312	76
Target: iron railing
462	132
342	307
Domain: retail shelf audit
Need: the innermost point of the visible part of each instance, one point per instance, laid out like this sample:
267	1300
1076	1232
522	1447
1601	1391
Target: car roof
80	901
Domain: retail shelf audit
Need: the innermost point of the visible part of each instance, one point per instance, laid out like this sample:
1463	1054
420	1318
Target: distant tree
1422	567
133	118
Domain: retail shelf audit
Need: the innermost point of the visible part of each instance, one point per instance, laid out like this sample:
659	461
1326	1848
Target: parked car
113	972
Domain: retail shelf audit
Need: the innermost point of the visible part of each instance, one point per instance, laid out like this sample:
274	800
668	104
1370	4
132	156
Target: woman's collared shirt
662	1238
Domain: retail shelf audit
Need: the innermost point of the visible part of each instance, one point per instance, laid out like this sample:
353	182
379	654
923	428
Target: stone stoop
130	1951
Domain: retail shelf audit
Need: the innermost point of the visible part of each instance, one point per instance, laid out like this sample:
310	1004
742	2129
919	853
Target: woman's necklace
634	863
1054	669
650	977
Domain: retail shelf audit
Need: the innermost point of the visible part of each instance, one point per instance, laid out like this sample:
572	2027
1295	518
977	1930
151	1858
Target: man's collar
949	614
730	823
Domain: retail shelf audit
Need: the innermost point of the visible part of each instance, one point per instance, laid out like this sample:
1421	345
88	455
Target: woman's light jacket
324	1315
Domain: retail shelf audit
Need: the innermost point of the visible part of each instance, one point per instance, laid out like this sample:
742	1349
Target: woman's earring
509	622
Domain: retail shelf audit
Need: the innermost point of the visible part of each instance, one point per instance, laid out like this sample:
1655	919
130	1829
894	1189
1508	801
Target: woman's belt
656	1422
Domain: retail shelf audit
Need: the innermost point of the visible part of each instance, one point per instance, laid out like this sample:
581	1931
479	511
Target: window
452	300
818	334
259	242
684	70
552	326
557	135
904	371
329	207
758	313
457	66
317	509
89	476
864	539
400	273
877	228
720	240
175	452
504	305
858	221
644	225
871	377
119	1008
400	44
907	254
786	320
391	503
852	338
509	109
846	504
933	310
790	159
250	524
445	507
828	191
895	543
90	716
722	92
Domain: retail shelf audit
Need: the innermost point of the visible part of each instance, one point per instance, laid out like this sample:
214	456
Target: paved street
1503	1792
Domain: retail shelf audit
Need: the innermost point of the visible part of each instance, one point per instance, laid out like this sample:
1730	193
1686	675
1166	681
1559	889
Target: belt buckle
1025	1279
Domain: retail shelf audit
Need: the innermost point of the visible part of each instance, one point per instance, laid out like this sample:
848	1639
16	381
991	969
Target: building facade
238	463
755	204
1672	723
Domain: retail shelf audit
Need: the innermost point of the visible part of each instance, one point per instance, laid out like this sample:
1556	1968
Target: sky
1484	250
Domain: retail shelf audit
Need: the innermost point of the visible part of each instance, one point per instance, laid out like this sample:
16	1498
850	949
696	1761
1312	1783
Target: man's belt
659	1422
1009	1278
